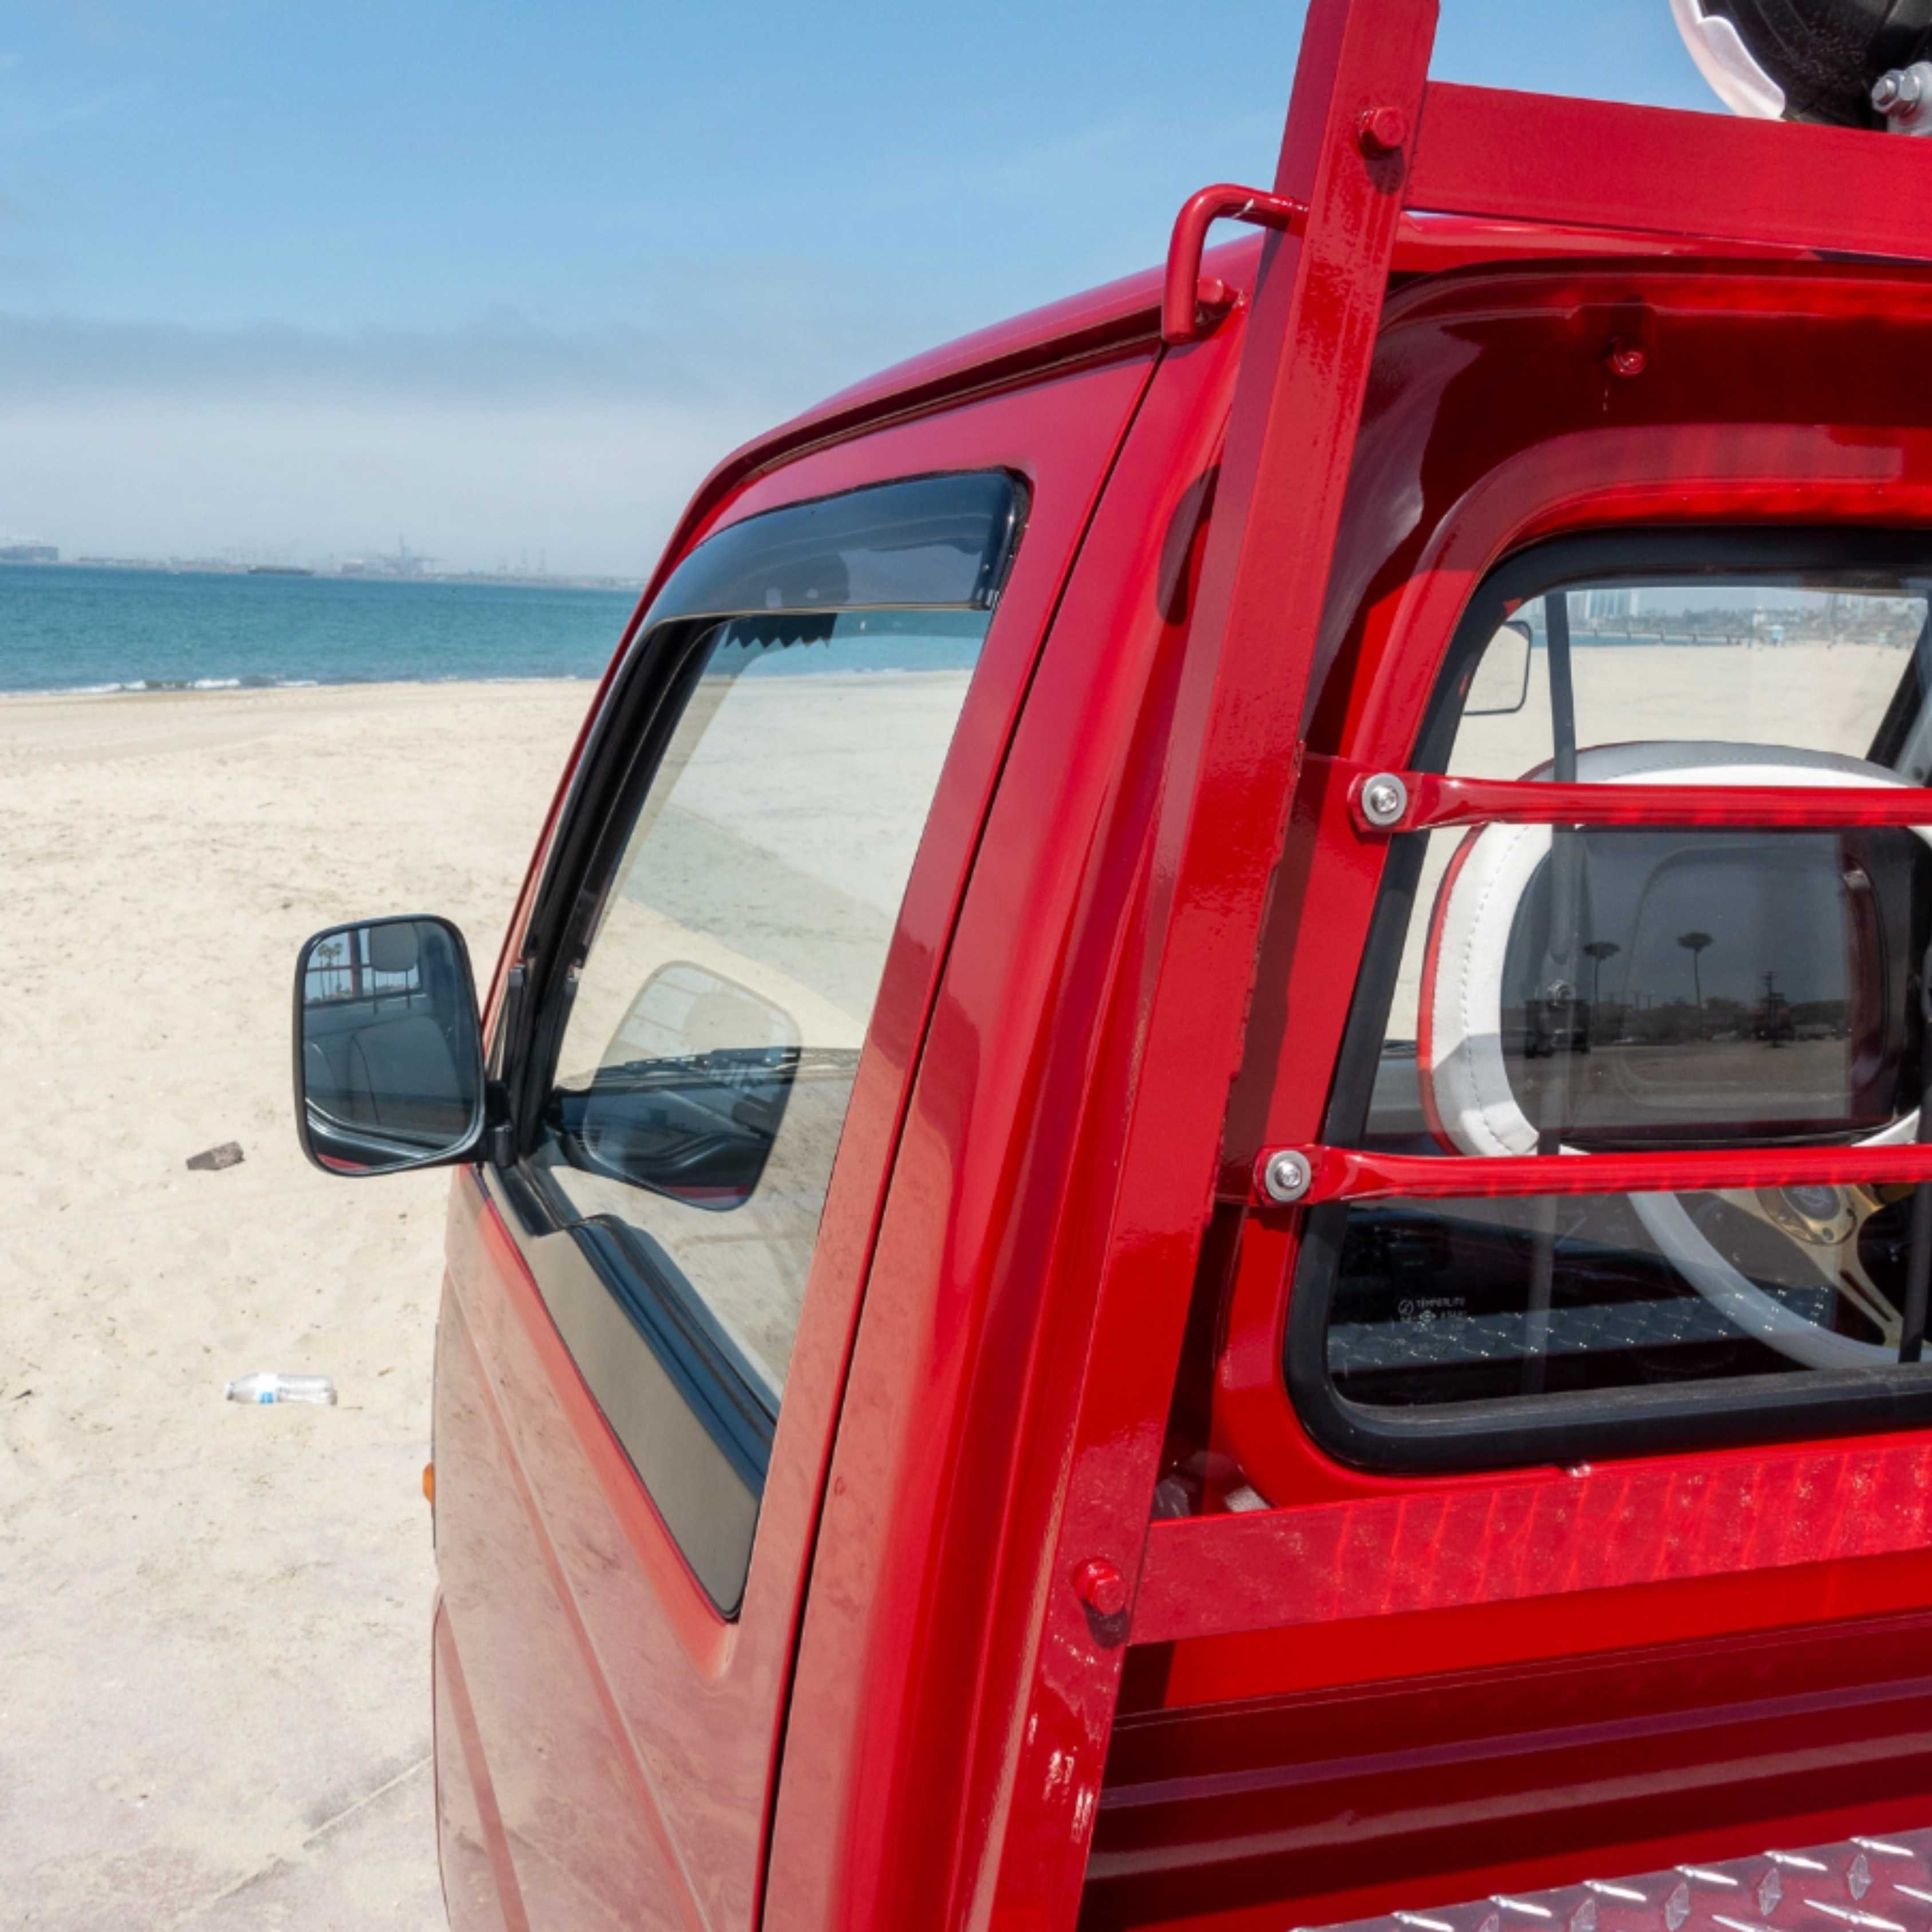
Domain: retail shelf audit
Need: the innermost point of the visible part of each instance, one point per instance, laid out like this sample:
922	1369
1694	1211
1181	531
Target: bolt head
1384	799
1100	1586
1899	89
1626	359
1287	1177
1381	130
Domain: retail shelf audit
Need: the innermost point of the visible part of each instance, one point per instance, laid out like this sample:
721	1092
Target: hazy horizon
507	284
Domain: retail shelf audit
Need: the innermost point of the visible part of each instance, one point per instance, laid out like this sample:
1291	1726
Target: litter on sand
266	1386
212	1159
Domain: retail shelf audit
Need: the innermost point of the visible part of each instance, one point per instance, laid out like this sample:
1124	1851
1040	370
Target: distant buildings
1598	604
403	561
29	552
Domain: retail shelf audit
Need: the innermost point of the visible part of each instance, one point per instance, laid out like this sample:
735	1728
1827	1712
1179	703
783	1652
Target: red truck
1128	1248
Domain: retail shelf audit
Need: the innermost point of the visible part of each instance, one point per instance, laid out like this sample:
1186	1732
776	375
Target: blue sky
294	279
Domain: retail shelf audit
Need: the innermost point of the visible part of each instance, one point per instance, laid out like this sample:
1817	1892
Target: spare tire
1808	60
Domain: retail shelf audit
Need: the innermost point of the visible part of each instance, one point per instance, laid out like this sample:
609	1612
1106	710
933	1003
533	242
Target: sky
295	281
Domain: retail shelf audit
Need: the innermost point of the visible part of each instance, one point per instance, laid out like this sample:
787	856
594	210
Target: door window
716	1022
712	933
1549	990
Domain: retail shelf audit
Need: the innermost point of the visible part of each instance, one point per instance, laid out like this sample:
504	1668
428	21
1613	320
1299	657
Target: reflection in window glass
1571	990
1445	1304
1761	663
709	1055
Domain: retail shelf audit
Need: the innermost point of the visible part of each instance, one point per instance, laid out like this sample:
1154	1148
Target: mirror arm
499	1133
499	1130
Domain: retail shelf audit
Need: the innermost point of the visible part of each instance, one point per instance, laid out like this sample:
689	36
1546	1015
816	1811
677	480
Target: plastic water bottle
263	1386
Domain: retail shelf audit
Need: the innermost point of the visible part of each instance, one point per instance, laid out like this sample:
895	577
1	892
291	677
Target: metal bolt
1100	1586
1901	88
1384	800
1904	97
1626	358
1287	1177
1381	130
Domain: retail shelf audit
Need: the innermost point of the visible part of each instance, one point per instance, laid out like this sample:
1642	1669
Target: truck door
717	1004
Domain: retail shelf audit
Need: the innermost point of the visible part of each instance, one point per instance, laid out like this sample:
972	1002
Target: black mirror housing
388	1047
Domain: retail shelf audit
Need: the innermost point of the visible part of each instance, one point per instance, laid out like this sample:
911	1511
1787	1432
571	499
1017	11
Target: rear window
1553	989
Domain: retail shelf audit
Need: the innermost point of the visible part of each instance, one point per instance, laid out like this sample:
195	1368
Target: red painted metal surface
1436	801
1181	295
1214	843
1483	151
1509	1780
1492	417
918	1642
1358	1173
921	1785
1442	1546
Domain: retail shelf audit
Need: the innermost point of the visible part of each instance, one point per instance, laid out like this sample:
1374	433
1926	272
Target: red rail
1358	1174
1434	801
1538	158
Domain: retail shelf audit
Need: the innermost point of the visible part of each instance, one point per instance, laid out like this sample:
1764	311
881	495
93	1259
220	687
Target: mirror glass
689	1096
389	1056
1501	684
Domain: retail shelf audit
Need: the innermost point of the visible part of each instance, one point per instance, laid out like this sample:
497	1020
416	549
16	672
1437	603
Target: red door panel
617	1765
577	1849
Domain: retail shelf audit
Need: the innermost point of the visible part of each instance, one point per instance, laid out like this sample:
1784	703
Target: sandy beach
214	1666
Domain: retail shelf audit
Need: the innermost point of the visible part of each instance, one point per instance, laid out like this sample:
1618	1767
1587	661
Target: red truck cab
1193	1195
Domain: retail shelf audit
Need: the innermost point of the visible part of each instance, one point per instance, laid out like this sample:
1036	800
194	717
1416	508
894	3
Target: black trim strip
663	1410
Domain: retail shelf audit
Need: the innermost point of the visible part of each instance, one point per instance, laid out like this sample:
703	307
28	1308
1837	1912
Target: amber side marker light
429	1484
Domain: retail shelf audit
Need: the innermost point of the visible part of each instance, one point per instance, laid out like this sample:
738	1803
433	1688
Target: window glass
714	1034
1759	663
1561	989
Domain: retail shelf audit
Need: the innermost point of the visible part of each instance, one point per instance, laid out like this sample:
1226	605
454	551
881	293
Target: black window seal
1568	1428
657	667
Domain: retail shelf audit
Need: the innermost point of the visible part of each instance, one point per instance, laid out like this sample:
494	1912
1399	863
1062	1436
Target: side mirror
389	1049
1501	684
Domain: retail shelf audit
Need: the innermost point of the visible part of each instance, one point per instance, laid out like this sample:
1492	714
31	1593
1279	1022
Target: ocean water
71	629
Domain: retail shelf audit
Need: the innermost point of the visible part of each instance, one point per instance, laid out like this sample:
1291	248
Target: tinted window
715	1025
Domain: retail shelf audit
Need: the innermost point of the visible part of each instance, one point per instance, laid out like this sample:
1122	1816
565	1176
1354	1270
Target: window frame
696	1426
1570	1428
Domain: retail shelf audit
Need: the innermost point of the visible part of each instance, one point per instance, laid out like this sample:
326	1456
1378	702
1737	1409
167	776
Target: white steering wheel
1472	1107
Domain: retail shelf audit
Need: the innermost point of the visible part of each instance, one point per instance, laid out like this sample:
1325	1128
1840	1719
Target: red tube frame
1181	292
1359	1174
1437	802
1434	802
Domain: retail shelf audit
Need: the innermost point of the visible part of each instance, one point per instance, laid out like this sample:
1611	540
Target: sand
214	1699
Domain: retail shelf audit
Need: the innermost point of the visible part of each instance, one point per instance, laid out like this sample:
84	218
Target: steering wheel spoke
1824	1225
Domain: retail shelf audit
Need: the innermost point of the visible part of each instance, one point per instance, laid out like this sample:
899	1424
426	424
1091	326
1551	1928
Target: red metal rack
1369	138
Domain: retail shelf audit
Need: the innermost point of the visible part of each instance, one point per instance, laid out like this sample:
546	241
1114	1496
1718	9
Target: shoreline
224	687
145	689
